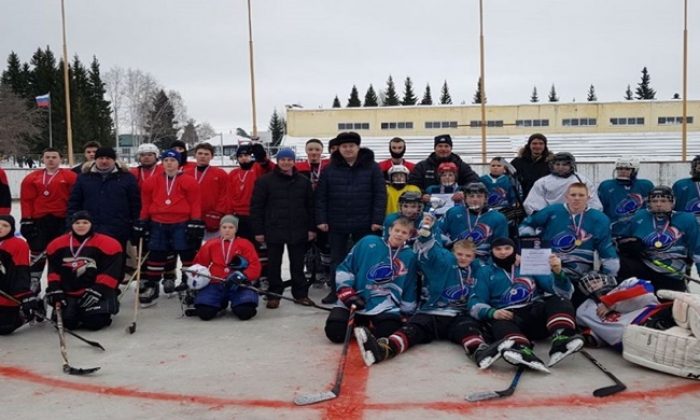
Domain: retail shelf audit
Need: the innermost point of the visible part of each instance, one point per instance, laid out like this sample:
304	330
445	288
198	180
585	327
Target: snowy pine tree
427	97
534	98
390	96
644	90
445	98
371	97
409	98
354	100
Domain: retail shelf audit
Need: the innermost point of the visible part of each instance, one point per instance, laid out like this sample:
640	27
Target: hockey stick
608	390
67	368
132	327
257	290
334	392
44	317
132	276
490	395
36	259
672	270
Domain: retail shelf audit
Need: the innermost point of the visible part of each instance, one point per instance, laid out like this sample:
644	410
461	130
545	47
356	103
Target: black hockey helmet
565	158
410	197
661	191
475	188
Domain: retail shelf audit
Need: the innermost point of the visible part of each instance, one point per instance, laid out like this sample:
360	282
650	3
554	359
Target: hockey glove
141	230
195	233
259	152
212	220
91	297
29	229
236	279
31	307
54	296
349	297
238	262
630	246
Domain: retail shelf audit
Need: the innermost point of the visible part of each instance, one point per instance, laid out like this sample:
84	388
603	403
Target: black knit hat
11	220
80	215
443	139
332	143
178	143
106	152
348	137
502	241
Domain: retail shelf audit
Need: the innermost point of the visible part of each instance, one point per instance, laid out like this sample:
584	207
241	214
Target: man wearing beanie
397	148
110	193
350	199
425	172
89	150
532	162
281	213
181	147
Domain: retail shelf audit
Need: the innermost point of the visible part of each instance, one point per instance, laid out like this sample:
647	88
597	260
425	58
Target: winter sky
307	51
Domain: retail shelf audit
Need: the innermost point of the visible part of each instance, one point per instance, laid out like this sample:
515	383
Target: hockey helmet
595	284
476	189
661	191
564	158
197	277
398	169
626	163
447	167
410	197
147	148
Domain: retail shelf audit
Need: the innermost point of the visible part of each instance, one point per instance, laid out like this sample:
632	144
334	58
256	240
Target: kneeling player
518	309
410	207
84	272
226	257
378	277
448	280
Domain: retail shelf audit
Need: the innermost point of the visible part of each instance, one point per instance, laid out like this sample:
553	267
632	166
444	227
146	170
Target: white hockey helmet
626	163
147	148
398	169
197	277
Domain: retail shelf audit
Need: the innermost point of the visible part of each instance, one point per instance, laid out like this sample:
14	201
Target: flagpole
684	127
66	84
482	82
252	71
50	125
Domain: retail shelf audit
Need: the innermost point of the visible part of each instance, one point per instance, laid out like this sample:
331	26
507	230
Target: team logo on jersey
661	241
693	206
456	295
567	241
382	272
496	197
629	205
478	235
79	265
520	291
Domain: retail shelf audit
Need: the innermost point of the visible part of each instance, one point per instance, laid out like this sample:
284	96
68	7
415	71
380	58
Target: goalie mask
626	170
197	277
398	175
661	200
563	164
595	284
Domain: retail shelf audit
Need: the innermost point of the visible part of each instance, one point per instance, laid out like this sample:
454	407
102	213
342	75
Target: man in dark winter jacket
350	199
281	212
425	172
532	162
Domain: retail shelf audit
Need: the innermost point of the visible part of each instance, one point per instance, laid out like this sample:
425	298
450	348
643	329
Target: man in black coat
350	199
532	162
425	172
281	212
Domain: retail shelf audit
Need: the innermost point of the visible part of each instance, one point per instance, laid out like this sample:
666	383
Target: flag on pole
43	101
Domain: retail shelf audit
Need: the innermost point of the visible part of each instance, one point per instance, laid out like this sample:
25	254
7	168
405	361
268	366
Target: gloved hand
237	278
32	307
259	152
140	230
55	295
91	297
28	229
349	297
212	219
238	262
630	246
195	233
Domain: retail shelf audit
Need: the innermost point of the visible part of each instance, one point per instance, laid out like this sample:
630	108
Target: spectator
89	150
425	172
532	162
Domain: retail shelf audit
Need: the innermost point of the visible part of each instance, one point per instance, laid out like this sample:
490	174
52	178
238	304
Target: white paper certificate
535	261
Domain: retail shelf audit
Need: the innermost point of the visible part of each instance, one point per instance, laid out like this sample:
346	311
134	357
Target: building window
489	123
440	124
627	121
578	122
532	123
400	125
674	120
353	126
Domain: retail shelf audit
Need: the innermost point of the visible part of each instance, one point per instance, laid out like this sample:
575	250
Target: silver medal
168	202
46	193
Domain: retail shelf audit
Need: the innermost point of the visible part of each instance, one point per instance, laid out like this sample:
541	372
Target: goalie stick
334	392
490	395
67	368
608	390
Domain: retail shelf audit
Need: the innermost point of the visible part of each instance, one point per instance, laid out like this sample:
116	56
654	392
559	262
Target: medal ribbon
76	254
43	179
577	227
226	253
658	235
201	178
169	185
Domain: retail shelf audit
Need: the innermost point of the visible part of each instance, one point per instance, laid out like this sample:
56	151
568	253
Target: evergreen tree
45	77
371	97
644	91
336	102
160	125
189	133
445	98
100	112
628	94
277	128
409	98
390	96
477	94
354	100
553	95
591	94
80	112
427	97
534	98
14	77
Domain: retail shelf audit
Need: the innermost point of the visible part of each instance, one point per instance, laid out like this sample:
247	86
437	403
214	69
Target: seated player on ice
227	257
378	277
442	314
525	307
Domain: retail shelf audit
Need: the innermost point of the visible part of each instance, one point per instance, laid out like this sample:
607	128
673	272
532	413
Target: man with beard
397	148
532	162
425	172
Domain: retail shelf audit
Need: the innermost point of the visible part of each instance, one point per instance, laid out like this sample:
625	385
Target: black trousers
536	321
296	252
381	325
340	244
50	227
424	328
635	267
10	319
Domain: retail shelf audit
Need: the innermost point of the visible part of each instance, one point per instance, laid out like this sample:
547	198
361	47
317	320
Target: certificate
535	261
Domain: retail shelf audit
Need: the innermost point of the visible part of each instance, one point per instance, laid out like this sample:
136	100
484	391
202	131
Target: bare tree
139	90
178	104
114	83
205	131
17	122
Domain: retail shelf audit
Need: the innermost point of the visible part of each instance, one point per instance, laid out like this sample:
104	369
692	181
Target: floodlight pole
252	70
684	126
482	82
66	84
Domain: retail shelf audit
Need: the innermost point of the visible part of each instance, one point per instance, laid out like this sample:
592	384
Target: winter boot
168	285
148	293
373	350
562	346
524	355
486	354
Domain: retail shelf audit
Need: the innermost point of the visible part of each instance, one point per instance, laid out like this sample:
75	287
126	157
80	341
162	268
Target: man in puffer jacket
424	174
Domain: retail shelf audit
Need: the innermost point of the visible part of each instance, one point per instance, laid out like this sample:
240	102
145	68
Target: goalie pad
686	309
673	351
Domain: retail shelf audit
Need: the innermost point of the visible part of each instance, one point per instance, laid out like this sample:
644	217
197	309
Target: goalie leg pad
675	350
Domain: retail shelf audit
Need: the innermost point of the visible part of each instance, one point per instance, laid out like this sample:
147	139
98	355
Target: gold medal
658	244
226	270
578	242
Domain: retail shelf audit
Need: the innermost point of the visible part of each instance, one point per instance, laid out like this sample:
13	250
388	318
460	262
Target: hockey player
379	278
551	189
224	257
212	186
447	190
14	280
84	270
181	147
147	158
44	198
476	221
410	207
314	163
524	307
89	150
624	194
171	213
442	314
397	148
575	232
502	192
5	196
397	186
659	242
687	191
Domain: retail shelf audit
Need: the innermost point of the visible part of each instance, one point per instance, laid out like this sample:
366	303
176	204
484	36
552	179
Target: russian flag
43	101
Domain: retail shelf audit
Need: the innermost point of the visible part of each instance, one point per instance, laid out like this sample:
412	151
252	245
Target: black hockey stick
259	291
490	395
334	392
43	317
608	390
131	328
67	368
672	270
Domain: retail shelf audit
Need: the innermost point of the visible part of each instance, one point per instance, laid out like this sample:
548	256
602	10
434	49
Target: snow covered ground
176	367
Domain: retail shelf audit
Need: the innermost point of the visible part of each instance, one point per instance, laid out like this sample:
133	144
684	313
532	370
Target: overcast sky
307	51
